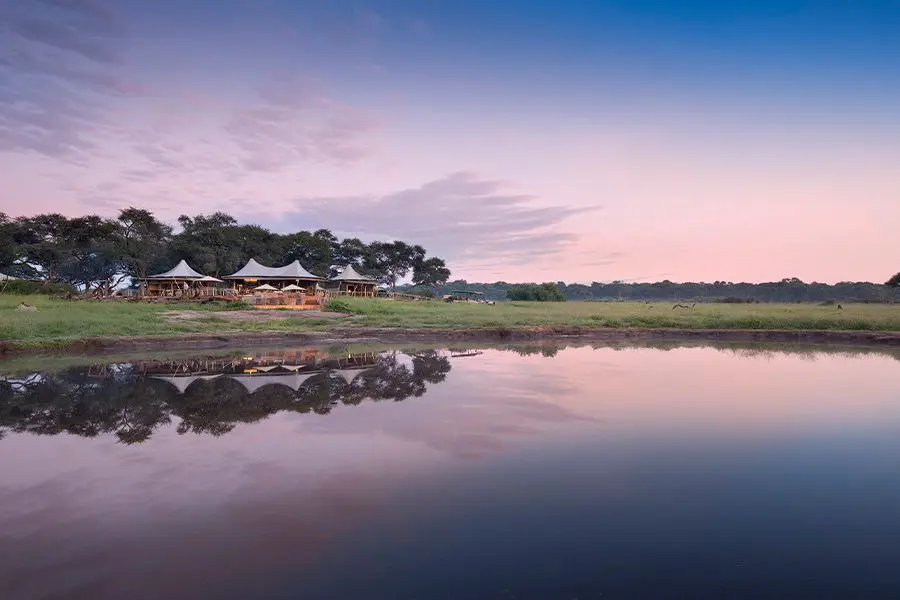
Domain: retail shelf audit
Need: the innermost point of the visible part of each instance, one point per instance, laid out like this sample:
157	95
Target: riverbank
114	326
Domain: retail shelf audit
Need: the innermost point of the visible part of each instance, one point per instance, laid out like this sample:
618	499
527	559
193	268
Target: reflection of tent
266	288
252	383
349	374
183	382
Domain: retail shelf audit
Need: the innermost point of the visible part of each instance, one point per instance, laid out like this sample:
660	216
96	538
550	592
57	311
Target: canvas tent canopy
181	271
255	271
352	283
350	275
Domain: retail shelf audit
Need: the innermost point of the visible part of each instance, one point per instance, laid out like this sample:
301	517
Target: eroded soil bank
201	341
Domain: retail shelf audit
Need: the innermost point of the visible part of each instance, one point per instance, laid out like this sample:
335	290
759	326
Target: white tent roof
7	277
349	374
350	274
254	270
266	287
296	271
181	271
291	288
252	383
183	382
210	279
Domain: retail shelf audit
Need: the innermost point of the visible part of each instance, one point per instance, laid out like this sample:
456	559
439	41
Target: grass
59	321
387	313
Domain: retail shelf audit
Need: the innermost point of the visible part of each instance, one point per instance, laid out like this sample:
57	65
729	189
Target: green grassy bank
385	313
59	321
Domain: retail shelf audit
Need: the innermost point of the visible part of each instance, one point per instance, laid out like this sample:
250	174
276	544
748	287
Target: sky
577	141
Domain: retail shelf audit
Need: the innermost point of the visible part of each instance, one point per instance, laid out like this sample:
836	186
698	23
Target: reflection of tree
131	406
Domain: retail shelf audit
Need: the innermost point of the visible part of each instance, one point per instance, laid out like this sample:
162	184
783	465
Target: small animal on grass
26	307
840	307
684	306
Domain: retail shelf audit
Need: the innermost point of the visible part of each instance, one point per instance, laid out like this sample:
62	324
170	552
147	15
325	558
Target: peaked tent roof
296	271
252	383
254	270
181	271
182	383
350	274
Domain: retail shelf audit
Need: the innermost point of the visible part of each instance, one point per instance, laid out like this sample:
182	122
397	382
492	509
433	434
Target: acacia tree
142	241
391	261
313	250
893	281
204	243
8	246
44	245
94	260
430	272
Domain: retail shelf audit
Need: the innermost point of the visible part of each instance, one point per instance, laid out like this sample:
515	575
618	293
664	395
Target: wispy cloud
60	61
295	121
463	217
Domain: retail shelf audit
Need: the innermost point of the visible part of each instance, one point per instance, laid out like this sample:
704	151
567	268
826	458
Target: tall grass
58	321
388	313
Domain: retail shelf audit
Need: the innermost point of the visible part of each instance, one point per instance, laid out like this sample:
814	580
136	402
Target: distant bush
22	286
733	300
544	292
234	305
338	305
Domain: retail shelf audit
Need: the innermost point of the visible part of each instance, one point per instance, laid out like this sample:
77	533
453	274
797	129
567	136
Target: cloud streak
60	63
463	217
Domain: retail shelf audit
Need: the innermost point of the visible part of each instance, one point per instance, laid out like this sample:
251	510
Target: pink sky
381	126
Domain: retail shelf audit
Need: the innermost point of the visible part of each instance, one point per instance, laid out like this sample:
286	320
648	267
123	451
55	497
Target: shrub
544	292
338	305
22	286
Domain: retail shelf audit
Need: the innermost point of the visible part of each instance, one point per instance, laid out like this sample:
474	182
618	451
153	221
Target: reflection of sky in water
631	472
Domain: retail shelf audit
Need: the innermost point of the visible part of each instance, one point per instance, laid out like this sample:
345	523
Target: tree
142	241
313	250
206	243
391	261
350	251
94	258
430	272
44	245
9	249
894	281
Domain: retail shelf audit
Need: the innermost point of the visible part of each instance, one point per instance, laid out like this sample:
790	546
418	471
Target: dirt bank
200	341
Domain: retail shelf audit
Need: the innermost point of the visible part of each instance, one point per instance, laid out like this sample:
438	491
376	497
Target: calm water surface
534	472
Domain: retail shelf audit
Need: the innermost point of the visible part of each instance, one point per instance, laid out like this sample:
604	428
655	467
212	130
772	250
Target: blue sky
574	140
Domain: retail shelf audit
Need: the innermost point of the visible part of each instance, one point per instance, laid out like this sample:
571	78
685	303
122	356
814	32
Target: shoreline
206	341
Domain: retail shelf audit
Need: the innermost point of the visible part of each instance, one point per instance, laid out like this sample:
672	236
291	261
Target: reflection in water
527	471
208	396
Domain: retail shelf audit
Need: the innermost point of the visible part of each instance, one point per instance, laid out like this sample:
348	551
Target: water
533	472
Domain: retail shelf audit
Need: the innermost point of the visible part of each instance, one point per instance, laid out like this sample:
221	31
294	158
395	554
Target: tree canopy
95	253
894	281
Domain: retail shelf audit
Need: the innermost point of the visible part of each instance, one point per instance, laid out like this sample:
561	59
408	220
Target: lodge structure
351	283
277	287
180	281
288	286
